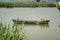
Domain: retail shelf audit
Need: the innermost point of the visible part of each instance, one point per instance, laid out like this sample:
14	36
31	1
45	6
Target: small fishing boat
30	22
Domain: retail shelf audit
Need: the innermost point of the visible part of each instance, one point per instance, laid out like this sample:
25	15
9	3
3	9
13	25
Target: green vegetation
58	5
27	4
8	32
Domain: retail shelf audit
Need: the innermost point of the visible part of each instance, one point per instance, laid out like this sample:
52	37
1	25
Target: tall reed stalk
8	32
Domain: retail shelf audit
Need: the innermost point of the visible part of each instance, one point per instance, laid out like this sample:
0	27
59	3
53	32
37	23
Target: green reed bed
8	32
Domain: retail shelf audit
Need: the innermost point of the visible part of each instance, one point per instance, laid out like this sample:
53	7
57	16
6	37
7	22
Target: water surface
35	32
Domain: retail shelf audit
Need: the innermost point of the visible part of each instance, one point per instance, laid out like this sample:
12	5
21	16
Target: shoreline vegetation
27	4
8	32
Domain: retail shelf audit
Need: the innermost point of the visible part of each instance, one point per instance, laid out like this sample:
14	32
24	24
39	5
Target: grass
8	32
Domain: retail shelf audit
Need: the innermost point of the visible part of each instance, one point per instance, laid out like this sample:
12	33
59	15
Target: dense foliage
8	32
27	4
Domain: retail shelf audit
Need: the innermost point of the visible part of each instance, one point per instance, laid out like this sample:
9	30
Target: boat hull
30	22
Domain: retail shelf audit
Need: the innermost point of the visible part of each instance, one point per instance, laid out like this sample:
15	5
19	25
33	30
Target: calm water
35	32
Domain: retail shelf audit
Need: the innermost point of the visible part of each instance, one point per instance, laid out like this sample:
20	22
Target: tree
57	0
37	0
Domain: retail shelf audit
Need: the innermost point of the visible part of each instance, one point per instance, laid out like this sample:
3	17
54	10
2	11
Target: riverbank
27	4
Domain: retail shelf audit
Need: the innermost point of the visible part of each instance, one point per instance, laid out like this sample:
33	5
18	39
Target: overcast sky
25	0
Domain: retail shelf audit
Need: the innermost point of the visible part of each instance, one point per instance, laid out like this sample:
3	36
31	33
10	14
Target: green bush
51	5
43	4
59	8
27	4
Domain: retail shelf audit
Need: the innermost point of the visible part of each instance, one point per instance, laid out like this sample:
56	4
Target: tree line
27	4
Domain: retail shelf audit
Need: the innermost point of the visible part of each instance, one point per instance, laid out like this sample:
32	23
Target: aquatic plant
8	32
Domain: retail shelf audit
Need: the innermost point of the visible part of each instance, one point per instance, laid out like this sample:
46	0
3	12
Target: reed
8	32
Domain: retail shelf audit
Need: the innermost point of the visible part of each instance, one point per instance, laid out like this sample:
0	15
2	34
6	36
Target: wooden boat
30	22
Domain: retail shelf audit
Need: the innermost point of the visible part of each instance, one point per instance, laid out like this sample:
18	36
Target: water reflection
49	31
32	25
44	25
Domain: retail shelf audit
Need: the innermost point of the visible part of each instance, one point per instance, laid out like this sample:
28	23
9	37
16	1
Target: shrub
27	4
51	5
